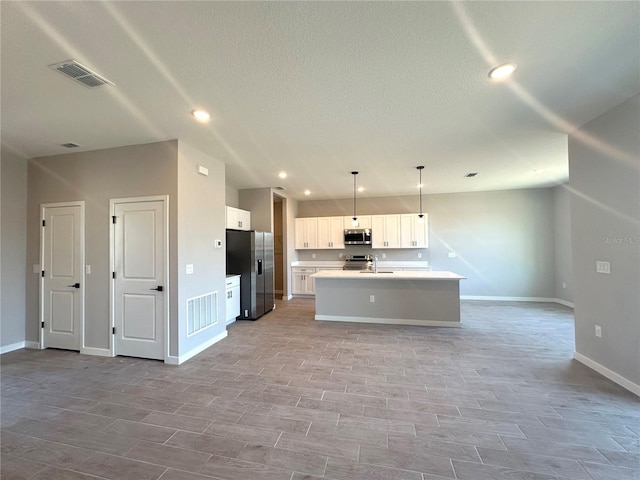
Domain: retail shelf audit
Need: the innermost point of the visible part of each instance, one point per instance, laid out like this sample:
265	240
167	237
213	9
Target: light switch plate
452	254
87	269
603	267
218	243
189	269
36	269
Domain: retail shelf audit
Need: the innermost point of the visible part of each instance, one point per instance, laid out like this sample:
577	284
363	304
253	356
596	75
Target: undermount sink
371	271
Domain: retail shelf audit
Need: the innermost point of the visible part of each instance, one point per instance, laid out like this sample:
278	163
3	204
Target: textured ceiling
323	88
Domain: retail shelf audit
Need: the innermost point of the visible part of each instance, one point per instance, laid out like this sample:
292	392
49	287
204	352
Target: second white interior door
139	289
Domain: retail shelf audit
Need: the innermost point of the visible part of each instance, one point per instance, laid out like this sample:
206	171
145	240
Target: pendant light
354	220
420	215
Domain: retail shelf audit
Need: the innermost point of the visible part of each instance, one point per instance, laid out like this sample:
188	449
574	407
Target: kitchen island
399	297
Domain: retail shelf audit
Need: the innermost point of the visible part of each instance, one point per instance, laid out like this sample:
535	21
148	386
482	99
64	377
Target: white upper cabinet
330	232
385	231
413	231
238	219
306	233
364	221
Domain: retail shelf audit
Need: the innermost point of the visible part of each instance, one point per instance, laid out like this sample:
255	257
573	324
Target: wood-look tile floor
291	398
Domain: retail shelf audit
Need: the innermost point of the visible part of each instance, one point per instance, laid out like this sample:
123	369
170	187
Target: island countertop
386	275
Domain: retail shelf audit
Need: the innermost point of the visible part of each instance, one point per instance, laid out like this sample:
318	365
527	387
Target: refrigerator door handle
259	267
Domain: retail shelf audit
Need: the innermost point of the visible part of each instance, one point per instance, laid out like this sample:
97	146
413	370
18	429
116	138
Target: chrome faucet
375	264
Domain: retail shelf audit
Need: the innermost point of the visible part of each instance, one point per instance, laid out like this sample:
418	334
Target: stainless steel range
358	262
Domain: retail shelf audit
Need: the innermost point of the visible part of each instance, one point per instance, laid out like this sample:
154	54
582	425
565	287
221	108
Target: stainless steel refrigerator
250	254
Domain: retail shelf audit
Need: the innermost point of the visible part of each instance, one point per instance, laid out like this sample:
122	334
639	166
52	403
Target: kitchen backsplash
405	255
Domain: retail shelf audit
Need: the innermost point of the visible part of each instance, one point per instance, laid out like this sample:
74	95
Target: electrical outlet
36	269
452	254
384	255
564	284
603	267
372	298
189	269
313	255
598	331
87	269
419	255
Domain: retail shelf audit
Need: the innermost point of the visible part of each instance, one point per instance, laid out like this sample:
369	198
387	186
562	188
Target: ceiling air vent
80	73
70	145
472	174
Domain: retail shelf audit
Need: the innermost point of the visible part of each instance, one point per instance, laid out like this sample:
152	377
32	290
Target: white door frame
43	206
112	261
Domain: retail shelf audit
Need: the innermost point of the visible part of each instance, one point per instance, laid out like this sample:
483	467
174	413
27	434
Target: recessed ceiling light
282	174
361	189
307	192
201	115
502	71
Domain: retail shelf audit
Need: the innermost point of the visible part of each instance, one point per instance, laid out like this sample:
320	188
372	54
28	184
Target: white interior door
139	288
62	287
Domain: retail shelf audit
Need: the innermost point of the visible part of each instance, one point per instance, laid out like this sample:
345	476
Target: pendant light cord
354	195
420	191
420	170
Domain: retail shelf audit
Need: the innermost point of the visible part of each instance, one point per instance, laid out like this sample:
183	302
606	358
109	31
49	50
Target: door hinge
42	325
42	273
113	219
113	275
43	223
113	330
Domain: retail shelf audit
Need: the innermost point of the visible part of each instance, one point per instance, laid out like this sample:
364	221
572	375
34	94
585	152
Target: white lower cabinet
233	298
303	283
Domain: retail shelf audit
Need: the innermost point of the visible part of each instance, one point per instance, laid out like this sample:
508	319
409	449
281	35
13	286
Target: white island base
401	298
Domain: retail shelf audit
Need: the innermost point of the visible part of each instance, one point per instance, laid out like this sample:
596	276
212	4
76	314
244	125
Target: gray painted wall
201	221
605	225
96	177
13	239
504	240
259	201
562	243
231	197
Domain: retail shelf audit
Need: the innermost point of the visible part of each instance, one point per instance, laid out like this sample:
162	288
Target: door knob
74	285
158	288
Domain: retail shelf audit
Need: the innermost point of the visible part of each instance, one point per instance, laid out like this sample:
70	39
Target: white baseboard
516	299
99	352
172	360
610	374
564	302
12	347
18	346
390	321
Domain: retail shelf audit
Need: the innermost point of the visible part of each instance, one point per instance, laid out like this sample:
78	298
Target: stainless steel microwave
357	236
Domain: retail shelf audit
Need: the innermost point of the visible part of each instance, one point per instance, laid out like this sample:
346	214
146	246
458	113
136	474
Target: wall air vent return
80	73
472	174
70	145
